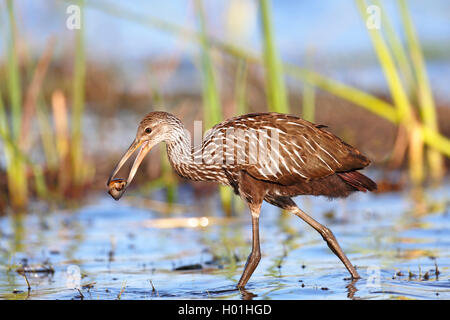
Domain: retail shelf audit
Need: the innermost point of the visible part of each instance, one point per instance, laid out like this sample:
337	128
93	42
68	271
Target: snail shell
117	188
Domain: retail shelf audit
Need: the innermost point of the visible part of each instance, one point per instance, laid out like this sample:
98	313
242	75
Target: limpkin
303	159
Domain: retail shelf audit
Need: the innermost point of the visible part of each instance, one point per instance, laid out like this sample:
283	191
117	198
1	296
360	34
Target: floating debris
154	291
110	255
153	287
329	215
80	296
112	251
196	266
26	279
39	268
88	286
436	270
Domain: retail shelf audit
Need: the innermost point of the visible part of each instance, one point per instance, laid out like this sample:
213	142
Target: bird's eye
148	130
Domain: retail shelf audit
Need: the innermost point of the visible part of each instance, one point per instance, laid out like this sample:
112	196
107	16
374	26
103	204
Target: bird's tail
358	181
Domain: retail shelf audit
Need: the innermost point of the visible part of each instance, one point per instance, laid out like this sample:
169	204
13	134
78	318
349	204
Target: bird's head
156	127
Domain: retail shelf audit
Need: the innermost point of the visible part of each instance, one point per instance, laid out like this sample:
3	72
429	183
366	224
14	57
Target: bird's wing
286	149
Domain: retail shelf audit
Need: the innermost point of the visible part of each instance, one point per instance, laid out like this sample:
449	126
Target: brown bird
262	156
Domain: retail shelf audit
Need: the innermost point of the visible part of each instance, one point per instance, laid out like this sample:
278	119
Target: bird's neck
186	160
179	149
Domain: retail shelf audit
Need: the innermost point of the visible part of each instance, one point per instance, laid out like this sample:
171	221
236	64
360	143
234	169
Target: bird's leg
255	255
329	237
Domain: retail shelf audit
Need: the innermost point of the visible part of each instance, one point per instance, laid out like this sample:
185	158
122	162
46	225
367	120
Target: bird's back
280	148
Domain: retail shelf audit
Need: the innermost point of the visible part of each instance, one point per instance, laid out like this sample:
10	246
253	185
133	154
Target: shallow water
123	248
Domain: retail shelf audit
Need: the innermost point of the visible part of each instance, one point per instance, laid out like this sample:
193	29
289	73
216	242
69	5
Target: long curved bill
117	187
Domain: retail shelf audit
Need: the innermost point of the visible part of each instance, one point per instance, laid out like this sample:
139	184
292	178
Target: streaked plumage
307	153
299	158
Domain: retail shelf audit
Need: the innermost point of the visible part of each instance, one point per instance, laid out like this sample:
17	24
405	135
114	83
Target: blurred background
76	77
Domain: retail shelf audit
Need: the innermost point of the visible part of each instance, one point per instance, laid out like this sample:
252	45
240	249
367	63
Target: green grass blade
398	51
275	87
4	128
78	101
356	96
308	106
15	95
168	178
12	153
436	140
309	97
211	100
16	171
241	87
400	98
425	96
41	187
389	69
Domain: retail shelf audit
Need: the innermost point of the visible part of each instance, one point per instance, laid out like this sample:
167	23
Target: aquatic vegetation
212	110
276	89
411	106
399	92
78	104
58	145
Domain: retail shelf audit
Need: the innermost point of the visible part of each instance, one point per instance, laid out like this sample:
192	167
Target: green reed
425	96
13	153
16	168
399	96
167	179
276	90
13	81
212	109
240	97
17	117
309	98
78	103
415	77
398	51
308	106
392	76
240	88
